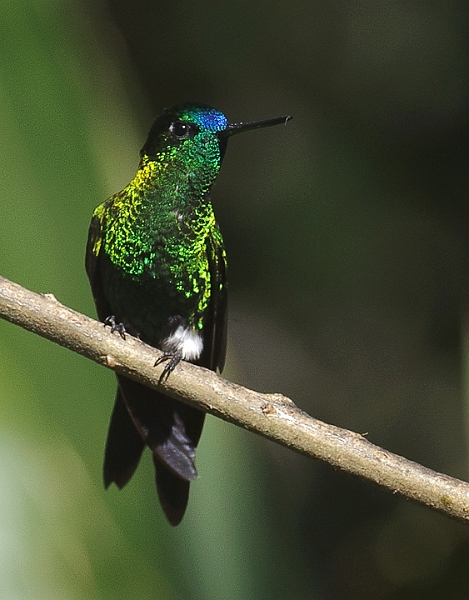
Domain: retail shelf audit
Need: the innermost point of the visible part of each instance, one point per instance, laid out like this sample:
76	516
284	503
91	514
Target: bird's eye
182	130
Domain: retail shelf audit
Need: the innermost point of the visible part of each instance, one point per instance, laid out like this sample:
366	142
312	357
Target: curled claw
173	359
115	326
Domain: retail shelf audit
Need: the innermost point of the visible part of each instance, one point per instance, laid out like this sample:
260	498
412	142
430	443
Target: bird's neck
181	176
160	208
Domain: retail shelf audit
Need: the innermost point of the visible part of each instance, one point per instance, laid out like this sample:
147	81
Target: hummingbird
156	263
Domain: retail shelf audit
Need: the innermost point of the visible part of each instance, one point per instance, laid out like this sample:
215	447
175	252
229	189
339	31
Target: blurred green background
347	238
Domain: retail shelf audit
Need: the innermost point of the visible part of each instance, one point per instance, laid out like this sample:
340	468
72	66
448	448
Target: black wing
142	416
124	445
215	326
92	257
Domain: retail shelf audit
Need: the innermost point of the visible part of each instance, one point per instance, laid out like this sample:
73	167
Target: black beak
234	128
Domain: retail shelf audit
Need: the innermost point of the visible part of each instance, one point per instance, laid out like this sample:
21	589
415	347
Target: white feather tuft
184	340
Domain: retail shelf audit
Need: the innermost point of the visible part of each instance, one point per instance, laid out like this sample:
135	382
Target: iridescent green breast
156	254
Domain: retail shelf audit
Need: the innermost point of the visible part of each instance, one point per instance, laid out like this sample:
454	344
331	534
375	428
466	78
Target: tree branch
272	415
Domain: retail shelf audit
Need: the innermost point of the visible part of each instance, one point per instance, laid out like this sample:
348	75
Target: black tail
170	429
124	446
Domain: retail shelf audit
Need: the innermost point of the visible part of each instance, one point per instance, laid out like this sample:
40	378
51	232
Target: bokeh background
347	236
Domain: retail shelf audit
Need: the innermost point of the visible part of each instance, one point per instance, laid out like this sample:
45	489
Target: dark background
347	239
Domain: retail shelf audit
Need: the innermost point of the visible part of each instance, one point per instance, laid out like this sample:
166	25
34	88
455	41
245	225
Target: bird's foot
173	359
115	326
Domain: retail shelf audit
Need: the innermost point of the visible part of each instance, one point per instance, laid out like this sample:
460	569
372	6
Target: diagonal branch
272	415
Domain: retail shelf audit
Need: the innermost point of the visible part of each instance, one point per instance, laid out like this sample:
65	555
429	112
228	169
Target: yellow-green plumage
157	266
170	245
